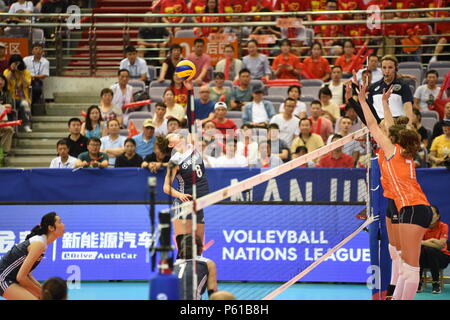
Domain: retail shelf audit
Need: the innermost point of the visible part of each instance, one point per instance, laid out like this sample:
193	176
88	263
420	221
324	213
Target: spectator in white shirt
64	160
372	65
231	159
258	112
160	120
137	67
39	68
122	91
265	156
113	144
26	6
286	121
426	94
247	144
295	92
336	85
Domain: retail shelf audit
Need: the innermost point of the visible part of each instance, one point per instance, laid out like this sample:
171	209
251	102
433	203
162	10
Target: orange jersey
197	6
402	180
387	193
440	231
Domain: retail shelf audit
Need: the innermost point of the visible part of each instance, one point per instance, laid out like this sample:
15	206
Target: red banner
16	46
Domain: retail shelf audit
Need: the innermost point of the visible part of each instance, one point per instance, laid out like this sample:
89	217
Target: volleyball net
289	224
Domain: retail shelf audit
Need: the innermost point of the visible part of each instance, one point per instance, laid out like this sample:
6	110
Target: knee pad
410	273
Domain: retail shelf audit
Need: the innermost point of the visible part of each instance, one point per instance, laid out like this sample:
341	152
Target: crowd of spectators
237	85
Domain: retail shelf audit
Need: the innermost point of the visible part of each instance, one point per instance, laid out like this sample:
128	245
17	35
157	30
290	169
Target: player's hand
184	197
188	84
362	93
387	94
348	91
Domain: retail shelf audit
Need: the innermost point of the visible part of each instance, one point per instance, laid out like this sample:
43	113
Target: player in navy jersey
186	165
183	268
16	280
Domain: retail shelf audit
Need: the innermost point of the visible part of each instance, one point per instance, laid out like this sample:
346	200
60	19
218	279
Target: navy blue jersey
185	174
400	95
12	261
183	269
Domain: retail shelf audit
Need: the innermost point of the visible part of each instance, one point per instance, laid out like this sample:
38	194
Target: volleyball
185	70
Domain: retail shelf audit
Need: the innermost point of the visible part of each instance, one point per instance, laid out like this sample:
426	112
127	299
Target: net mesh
288	224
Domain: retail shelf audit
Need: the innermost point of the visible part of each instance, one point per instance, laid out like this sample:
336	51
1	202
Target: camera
21	66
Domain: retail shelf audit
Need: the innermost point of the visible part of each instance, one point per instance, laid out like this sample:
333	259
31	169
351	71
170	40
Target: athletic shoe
436	288
27	129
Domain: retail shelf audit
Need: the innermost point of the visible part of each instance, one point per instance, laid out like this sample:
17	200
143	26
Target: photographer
19	82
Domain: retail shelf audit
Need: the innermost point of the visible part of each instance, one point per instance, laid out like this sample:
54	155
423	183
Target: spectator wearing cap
3	61
136	66
39	68
113	143
204	106
220	120
336	158
201	60
64	160
146	139
258	112
440	147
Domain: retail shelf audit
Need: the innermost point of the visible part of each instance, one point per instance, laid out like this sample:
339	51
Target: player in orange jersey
415	213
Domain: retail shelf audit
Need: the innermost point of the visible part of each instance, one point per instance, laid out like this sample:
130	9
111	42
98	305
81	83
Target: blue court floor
243	291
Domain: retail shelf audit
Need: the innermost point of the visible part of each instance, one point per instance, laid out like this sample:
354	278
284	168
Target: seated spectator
278	146
146	139
212	6
336	158
242	93
178	7
94	126
108	110
160	156
202	62
415	34
19	82
417	124
258	112
18	26
160	120
147	48
180	91
294	6
197	6
336	86
113	143
286	65
25	6
76	141
220	92
54	289
4	62
204	107
6	134
356	32
286	121
272	32
129	158
373	67
316	66
168	65
223	124
330	109
122	91
440	147
241	31
319	124
173	109
426	94
39	68
136	66
306	138
352	148
232	158
346	60
434	254
301	151
255	62
329	31
247	145
173	125
64	160
294	92
437	129
265	156
92	158
5	96
234	64
214	139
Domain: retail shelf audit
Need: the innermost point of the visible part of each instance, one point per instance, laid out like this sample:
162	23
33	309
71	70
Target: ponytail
41	229
36	231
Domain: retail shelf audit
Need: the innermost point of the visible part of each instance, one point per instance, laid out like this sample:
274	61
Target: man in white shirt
231	159
26	6
377	73
39	68
286	121
113	144
137	67
258	112
64	160
427	93
336	85
122	91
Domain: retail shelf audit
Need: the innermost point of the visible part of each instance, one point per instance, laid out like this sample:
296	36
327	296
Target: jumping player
187	166
415	214
183	268
16	280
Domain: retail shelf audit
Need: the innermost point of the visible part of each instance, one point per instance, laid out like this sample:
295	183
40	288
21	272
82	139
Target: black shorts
4	284
420	215
392	212
200	214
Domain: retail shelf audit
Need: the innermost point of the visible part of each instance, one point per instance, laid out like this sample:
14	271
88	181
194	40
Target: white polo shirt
41	67
139	67
58	164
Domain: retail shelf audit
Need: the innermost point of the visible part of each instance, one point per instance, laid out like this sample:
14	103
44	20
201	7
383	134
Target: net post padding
289	283
182	210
